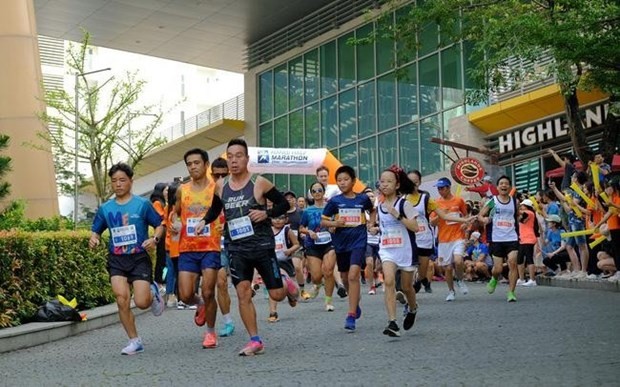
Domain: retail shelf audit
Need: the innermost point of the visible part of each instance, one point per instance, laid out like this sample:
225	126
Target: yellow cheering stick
597	241
605	197
577	233
569	200
535	204
585	197
595	176
458	190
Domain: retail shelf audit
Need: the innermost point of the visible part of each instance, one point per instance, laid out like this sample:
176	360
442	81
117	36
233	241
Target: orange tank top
172	241
527	235
194	206
614	221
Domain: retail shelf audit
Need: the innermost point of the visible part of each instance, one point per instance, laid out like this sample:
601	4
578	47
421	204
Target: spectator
478	259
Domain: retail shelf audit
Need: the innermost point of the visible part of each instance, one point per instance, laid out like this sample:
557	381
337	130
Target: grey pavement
552	336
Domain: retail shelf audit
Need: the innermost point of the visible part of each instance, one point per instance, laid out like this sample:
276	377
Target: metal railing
233	109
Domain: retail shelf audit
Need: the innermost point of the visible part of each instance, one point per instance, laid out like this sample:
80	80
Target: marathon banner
286	160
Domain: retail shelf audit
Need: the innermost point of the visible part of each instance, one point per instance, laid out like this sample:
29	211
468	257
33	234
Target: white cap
475	235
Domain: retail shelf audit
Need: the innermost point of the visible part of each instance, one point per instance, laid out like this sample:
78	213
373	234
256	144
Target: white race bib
240	228
505	223
352	216
392	238
190	228
124	235
323	237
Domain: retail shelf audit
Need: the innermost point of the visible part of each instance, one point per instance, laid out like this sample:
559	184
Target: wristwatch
156	239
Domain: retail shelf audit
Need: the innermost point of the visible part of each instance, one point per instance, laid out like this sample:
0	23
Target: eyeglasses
319	190
219	175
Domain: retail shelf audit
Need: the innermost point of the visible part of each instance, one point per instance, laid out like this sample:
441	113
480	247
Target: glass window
429	39
348	156
329	122
365	54
281	89
451	77
297	184
265	83
429	86
296	82
408	95
281	132
346	62
384	45
328	69
265	135
347	116
296	129
313	137
366	109
527	175
387	150
470	84
368	161
430	152
405	48
311	76
281	182
448	116
409	146
386	101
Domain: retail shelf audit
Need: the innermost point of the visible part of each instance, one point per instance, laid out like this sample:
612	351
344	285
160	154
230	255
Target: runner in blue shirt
127	217
345	212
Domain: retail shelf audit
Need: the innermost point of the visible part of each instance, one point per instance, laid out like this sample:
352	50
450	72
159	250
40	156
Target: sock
351	315
210	330
256	338
328	300
136	340
227	319
425	281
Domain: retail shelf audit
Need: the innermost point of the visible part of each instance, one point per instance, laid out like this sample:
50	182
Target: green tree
105	113
582	38
5	166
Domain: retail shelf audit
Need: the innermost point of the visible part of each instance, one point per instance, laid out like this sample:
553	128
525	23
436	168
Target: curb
579	284
37	333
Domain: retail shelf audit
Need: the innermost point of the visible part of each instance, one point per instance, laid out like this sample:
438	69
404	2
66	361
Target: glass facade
350	100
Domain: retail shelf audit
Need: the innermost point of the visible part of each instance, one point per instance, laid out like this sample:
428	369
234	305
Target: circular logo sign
467	171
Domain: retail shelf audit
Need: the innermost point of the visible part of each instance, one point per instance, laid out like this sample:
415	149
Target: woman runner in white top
397	222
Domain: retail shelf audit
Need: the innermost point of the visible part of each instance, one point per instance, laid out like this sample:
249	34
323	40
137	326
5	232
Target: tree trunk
611	133
575	126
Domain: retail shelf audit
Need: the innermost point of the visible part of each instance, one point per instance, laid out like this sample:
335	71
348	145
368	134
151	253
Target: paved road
551	337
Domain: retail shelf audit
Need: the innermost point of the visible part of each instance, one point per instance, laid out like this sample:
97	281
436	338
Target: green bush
14	218
35	267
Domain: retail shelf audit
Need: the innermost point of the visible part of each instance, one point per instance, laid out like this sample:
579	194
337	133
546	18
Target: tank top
398	244
504	225
527	235
194	206
424	236
282	243
241	233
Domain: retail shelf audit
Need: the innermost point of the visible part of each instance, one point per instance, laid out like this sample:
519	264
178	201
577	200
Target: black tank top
238	204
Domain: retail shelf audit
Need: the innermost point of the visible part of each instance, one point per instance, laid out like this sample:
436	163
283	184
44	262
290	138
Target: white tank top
395	243
372	239
424	238
280	239
504	225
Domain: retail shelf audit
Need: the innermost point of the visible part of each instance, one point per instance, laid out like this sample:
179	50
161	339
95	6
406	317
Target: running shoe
305	295
372	291
210	340
417	285
427	287
192	307
492	285
405	310
157	305
252	348
400	297
181	305
450	296
133	347
273	317
342	292
329	308
349	323
358	312
227	330
392	329
511	297
410	319
200	317
530	283
520	282
462	287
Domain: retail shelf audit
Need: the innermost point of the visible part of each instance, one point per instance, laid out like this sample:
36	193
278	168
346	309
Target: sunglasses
219	175
319	190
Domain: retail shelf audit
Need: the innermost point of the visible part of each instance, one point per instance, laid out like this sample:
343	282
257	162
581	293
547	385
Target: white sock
227	319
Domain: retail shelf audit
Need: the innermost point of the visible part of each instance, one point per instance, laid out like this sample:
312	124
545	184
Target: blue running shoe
157	305
358	312
227	330
349	323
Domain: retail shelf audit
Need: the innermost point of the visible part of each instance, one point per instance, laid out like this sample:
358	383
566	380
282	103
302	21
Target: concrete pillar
32	178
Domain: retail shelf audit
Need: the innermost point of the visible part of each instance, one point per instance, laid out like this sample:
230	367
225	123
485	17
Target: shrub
35	267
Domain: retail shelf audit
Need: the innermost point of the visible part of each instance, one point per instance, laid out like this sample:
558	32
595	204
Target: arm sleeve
280	204
214	211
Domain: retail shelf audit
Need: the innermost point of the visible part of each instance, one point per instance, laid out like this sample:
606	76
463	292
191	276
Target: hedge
36	266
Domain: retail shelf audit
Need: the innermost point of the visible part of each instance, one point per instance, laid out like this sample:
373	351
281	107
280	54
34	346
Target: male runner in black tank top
249	235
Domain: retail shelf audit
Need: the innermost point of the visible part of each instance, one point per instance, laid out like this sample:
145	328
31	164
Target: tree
105	113
581	36
5	166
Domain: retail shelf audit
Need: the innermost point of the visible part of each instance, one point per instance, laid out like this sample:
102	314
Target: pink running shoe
252	348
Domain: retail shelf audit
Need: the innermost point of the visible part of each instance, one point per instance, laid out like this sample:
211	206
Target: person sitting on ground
554	247
479	262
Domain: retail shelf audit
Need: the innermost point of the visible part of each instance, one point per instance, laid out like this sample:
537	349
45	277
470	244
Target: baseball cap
553	218
291	193
443	182
487	178
475	235
528	203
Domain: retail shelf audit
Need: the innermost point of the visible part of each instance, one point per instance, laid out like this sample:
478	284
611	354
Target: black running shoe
417	285
427	288
409	319
342	292
392	330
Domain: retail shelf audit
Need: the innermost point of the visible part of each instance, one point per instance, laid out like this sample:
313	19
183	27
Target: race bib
392	238
124	235
507	223
352	216
323	237
240	228
190	228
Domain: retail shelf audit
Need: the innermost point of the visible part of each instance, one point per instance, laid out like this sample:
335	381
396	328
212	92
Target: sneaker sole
248	354
391	333
132	353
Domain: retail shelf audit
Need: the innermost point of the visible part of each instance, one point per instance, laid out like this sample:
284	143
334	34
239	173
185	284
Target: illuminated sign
467	171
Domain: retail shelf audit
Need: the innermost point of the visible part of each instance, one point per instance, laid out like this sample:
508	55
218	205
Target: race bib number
323	237
124	236
392	238
352	216
507	223
190	228
240	228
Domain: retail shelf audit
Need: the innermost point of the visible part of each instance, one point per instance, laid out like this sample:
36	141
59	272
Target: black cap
287	193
